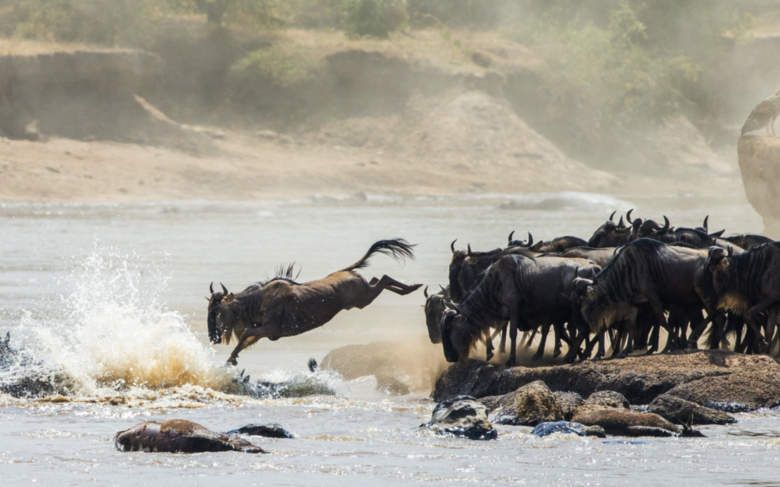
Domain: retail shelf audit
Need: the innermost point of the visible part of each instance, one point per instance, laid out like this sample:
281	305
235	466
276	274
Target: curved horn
530	239
452	246
705	225
425	292
666	226
510	236
442	288
468	246
224	289
581	283
612	215
628	216
211	287
620	223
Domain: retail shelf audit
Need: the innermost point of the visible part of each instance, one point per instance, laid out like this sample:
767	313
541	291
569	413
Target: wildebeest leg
752	318
249	338
502	345
515	322
560	334
696	332
601	351
660	321
771	324
531	337
488	346
542	343
392	285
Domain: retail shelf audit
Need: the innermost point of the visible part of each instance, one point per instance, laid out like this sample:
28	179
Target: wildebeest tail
397	248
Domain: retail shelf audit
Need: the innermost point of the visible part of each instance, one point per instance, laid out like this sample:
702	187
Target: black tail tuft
313	365
396	248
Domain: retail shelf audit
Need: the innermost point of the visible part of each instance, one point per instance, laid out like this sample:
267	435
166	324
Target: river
112	294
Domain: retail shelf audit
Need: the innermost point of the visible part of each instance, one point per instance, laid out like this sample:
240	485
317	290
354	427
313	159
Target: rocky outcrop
607	399
179	436
569	402
678	410
759	162
714	377
464	417
624	422
528	406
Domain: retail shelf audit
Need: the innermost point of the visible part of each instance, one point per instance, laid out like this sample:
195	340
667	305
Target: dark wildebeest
527	291
283	307
434	310
748	241
643	271
558	244
748	284
611	234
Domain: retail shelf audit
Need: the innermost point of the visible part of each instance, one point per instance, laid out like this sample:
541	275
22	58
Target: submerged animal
282	307
179	436
764	115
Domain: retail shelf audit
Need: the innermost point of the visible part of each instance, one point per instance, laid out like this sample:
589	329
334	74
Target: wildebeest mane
483	261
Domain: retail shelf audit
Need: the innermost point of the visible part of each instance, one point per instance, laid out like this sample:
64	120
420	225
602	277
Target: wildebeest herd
627	282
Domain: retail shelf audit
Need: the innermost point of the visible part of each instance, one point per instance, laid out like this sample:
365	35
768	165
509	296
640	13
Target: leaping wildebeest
282	307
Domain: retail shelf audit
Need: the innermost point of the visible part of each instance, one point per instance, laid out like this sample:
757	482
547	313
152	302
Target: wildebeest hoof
556	353
597	358
621	355
510	362
232	361
536	356
488	356
692	345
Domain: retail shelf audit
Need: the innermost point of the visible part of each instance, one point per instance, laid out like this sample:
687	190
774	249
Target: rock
179	436
528	406
743	391
545	429
679	410
271	430
750	380
569	402
624	422
759	163
462	416
608	399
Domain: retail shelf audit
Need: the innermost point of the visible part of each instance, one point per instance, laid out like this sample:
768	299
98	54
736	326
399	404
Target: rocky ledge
716	379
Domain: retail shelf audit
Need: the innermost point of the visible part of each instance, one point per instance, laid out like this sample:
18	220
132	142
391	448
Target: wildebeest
748	284
611	234
283	307
434	310
527	291
747	241
643	271
558	244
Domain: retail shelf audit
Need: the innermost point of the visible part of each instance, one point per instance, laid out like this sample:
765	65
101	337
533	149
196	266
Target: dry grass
22	47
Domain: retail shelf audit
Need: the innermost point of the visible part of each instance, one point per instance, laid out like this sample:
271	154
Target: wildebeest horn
612	215
581	283
449	304
452	245
425	292
224	289
211	287
468	247
620	223
628	216
442	288
706	223
666	226
530	239
510	236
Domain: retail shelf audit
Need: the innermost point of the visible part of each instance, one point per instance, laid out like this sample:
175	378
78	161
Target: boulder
565	427
679	410
624	422
179	436
530	405
745	390
714	376
608	399
569	402
272	430
464	417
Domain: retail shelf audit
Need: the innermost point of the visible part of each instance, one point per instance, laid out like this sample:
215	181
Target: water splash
113	332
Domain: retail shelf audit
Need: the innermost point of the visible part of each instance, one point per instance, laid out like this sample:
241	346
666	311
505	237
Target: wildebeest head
456	336
610	234
434	311
651	228
224	316
466	268
718	258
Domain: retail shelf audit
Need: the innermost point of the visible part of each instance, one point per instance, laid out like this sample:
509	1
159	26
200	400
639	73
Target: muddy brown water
113	296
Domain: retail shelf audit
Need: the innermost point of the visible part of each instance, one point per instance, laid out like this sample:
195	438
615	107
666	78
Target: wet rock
179	436
679	410
750	380
624	422
545	429
608	399
464	417
745	390
272	430
528	406
569	402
